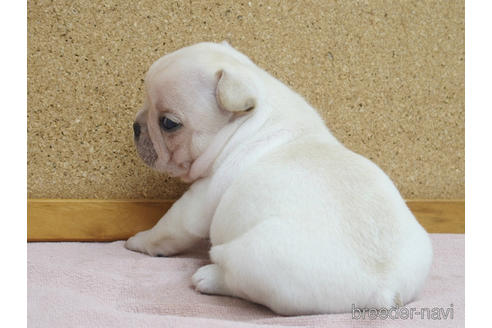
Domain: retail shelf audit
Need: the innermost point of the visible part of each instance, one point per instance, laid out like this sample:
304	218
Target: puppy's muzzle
136	130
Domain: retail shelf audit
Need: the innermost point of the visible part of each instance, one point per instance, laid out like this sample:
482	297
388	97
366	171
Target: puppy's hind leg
209	279
248	267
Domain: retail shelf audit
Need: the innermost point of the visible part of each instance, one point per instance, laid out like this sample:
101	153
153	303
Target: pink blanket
105	285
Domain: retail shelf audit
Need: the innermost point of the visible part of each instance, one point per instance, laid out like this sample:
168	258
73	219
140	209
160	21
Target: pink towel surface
106	285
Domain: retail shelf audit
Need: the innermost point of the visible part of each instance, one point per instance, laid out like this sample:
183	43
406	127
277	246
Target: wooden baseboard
109	220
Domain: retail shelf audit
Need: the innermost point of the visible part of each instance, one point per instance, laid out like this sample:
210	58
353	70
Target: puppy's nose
136	130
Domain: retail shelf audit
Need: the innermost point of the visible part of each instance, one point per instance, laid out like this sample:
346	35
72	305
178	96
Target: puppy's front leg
186	222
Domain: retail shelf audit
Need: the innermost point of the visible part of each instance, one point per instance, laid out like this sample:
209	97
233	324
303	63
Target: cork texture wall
386	76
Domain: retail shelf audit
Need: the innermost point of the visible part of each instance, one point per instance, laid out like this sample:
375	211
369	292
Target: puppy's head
193	97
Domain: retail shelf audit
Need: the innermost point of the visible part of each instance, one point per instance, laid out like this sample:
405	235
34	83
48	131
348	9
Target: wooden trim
439	216
91	220
109	220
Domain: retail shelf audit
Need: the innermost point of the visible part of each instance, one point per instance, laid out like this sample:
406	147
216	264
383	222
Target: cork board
387	77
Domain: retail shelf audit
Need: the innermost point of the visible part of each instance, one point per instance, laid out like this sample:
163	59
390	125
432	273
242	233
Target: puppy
297	222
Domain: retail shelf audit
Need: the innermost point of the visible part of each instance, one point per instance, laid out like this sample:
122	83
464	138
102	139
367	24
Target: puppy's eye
168	124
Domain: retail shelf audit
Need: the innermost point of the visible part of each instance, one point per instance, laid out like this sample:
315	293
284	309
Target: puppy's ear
236	91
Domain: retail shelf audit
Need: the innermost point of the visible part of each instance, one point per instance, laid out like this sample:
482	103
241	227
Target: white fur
297	222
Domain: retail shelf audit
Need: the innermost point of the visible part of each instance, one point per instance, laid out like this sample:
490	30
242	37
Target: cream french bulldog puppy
297	222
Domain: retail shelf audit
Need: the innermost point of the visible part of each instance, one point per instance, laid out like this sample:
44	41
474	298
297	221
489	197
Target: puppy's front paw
209	279
137	243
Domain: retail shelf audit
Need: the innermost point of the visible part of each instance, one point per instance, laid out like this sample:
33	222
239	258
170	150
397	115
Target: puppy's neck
225	141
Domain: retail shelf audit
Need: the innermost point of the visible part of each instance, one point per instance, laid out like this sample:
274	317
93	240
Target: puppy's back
335	207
